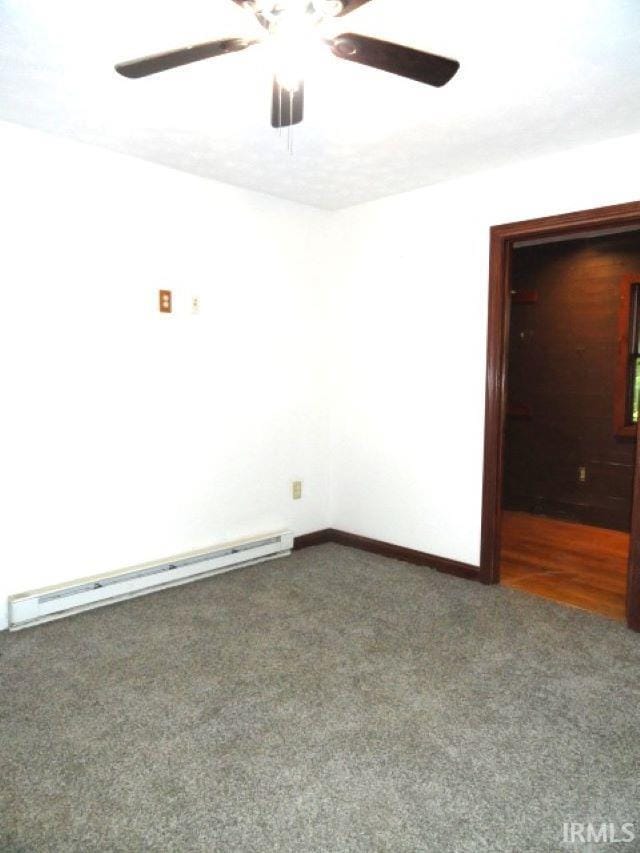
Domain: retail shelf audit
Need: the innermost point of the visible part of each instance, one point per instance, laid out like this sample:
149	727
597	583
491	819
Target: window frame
628	330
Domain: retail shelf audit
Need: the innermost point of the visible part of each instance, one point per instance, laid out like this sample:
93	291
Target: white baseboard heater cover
54	602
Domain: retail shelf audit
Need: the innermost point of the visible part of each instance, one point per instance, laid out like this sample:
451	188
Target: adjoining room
571	421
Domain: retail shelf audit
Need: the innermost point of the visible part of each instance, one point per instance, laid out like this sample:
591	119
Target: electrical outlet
195	304
582	474
164	301
296	490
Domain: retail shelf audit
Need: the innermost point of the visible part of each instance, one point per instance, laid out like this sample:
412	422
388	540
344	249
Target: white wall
346	349
127	435
411	304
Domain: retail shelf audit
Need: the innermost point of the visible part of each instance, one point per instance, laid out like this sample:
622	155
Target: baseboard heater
54	602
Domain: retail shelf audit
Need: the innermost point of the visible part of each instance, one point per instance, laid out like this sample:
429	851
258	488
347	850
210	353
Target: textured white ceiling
535	78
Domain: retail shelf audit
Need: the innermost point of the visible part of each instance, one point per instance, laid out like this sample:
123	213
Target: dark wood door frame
502	239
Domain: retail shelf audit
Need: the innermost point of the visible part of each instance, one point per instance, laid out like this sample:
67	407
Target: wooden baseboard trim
318	537
386	549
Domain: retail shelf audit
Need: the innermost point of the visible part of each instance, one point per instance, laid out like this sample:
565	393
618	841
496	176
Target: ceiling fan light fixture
328	8
289	77
293	44
288	58
294	39
273	10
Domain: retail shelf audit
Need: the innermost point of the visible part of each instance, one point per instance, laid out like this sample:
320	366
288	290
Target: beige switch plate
296	490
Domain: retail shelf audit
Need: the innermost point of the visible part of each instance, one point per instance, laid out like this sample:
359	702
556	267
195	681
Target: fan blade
287	107
249	5
183	56
351	6
395	58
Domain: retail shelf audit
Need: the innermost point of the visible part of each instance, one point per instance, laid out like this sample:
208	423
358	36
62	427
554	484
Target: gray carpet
330	701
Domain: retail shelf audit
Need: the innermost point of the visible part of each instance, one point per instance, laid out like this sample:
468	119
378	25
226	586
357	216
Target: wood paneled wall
562	358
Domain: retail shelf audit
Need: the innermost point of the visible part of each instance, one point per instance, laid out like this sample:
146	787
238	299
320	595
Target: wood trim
387	549
495	406
633	577
318	537
627	432
502	238
621	393
562	224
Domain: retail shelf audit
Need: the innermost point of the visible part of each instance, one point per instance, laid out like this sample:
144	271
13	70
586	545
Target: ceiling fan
291	25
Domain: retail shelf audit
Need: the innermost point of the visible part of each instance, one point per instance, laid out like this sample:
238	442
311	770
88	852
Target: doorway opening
561	515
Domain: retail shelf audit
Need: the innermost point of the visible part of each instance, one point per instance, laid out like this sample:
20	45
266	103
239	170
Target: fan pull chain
290	128
285	120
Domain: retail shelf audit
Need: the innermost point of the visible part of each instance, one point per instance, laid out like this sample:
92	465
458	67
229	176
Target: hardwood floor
570	563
